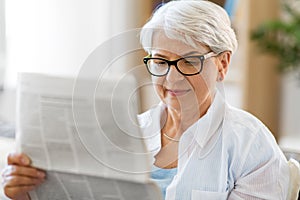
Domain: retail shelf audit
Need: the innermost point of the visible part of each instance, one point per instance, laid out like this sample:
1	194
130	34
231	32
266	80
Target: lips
176	92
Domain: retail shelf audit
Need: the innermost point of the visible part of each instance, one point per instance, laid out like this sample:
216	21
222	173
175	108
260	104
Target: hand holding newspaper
85	137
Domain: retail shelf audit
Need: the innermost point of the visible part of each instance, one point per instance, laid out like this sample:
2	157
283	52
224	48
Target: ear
223	64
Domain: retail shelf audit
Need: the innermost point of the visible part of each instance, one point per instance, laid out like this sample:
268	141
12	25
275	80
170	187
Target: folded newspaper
84	133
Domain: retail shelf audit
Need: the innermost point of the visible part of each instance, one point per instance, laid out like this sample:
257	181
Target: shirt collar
150	123
204	131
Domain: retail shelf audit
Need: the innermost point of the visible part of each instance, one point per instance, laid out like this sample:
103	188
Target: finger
18	159
20	181
19	192
16	186
23	197
22	171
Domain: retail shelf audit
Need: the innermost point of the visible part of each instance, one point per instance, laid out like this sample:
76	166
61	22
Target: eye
159	62
192	61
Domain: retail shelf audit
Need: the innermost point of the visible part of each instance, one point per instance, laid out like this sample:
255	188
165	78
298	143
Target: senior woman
202	147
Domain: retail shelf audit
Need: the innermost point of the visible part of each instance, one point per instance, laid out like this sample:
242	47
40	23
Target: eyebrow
184	55
192	53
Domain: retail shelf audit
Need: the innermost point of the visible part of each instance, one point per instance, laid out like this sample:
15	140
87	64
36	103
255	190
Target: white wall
56	36
53	36
290	109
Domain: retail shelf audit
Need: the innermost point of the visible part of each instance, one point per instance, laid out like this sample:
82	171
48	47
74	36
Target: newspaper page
85	135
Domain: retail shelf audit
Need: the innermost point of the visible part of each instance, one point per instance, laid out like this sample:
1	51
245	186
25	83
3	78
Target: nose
174	75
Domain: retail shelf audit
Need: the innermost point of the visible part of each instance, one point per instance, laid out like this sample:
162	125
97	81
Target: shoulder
243	126
250	141
242	120
256	159
147	118
248	138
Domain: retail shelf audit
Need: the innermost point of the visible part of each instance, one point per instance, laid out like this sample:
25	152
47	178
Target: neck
178	120
181	120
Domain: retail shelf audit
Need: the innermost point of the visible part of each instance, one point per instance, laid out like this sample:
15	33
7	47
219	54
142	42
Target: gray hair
192	22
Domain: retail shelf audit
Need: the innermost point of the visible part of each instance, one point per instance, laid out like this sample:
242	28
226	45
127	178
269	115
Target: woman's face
181	92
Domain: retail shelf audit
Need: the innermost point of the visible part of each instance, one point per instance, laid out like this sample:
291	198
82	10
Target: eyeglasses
187	66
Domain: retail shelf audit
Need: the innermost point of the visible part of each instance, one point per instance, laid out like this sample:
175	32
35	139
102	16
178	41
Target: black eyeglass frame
174	63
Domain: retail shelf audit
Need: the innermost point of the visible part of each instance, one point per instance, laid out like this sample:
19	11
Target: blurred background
56	36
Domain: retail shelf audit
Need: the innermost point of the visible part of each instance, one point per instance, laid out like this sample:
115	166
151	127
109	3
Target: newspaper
85	135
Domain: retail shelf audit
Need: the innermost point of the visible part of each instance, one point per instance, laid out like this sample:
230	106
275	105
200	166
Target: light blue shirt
227	154
163	177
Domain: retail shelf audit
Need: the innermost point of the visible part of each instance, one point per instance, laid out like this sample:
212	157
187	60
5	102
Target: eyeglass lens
187	65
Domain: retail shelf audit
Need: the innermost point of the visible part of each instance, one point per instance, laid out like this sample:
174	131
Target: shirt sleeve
264	173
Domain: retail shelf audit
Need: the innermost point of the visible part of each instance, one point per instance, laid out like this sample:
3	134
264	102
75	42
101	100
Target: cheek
198	82
158	84
209	77
157	81
201	86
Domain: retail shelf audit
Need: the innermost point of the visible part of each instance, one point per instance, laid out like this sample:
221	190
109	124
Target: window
2	43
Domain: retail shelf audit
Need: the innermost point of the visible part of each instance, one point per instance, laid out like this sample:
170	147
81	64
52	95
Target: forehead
161	43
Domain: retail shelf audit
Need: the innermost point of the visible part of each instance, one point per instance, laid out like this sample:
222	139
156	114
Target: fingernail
25	160
41	174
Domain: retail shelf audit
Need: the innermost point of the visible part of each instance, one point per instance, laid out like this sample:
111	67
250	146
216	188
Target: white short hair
192	22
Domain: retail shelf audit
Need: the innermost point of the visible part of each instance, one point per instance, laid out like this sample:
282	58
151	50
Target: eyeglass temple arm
210	54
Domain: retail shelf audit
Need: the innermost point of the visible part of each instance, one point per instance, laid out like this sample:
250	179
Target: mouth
176	92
